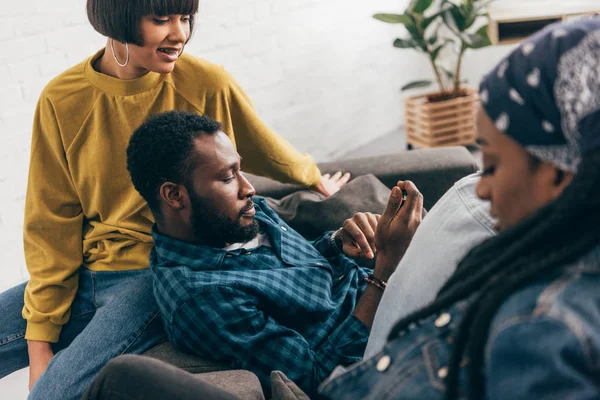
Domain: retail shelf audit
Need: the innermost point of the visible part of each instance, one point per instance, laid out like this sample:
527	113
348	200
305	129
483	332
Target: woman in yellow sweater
87	231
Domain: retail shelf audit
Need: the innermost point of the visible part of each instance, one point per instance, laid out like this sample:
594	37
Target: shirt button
442	372
248	252
383	363
443	320
228	255
283	228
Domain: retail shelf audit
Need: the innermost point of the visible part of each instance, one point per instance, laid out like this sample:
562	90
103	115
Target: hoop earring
112	47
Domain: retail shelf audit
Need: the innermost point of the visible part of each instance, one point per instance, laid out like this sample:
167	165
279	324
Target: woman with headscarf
520	317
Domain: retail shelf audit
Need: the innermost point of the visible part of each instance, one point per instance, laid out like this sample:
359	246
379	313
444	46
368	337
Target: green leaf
480	39
419	6
470	20
427	21
411	27
416	84
393	18
454	19
466	8
436	51
405	44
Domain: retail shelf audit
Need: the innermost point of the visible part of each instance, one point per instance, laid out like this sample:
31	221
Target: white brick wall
322	73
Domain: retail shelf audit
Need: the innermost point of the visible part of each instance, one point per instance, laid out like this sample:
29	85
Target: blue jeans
113	313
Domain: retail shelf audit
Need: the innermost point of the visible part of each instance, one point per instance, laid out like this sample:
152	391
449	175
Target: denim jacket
544	343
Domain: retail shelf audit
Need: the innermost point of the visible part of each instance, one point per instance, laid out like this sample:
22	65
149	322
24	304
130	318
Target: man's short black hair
159	151
120	20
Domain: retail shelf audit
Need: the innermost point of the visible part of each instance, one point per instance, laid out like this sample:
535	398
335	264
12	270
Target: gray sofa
434	171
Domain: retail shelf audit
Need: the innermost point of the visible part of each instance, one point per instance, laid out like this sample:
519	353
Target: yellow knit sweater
81	207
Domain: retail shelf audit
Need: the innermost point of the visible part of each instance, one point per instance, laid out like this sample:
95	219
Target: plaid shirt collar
174	252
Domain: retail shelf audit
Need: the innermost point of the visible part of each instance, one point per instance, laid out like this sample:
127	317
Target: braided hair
501	265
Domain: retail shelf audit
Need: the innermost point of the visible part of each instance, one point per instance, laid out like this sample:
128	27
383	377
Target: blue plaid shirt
288	307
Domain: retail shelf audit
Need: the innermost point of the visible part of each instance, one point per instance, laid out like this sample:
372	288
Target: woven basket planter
444	123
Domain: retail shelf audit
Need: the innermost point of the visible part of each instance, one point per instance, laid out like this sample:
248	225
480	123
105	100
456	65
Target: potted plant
447	116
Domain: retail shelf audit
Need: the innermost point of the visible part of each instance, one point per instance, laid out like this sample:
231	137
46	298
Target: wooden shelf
512	21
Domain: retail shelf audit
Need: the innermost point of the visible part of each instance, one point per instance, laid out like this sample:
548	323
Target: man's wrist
384	266
335	242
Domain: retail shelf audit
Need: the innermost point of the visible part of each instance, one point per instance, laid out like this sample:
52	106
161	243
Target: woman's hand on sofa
331	184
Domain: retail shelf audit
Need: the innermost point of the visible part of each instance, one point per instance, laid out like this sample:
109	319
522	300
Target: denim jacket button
283	228
442	372
443	320
383	363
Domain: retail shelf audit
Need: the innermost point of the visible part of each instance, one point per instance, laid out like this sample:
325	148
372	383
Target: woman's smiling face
163	39
515	184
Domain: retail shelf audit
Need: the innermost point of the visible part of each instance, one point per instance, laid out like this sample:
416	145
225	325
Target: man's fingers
367	229
414	198
352	250
326	176
373	220
392	205
357	235
337	175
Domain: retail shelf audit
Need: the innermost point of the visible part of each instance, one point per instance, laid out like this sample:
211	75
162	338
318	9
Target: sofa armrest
434	171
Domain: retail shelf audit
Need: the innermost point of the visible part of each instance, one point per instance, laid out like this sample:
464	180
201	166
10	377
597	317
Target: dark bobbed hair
542	246
160	151
120	20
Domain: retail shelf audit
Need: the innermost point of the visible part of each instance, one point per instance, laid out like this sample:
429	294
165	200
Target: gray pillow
282	388
311	214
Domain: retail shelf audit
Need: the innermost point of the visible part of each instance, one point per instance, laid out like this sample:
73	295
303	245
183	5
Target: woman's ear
553	180
173	195
562	179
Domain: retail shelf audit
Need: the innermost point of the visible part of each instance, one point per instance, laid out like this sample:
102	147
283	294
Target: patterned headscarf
546	93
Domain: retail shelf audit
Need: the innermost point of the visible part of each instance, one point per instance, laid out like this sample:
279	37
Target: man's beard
216	229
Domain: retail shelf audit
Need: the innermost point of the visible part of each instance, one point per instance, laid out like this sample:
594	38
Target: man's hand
330	185
40	354
358	236
397	227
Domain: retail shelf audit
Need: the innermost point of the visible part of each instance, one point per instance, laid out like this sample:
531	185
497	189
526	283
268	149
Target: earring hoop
112	47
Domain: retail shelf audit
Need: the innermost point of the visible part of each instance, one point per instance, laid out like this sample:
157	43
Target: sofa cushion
166	352
311	213
241	383
282	388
